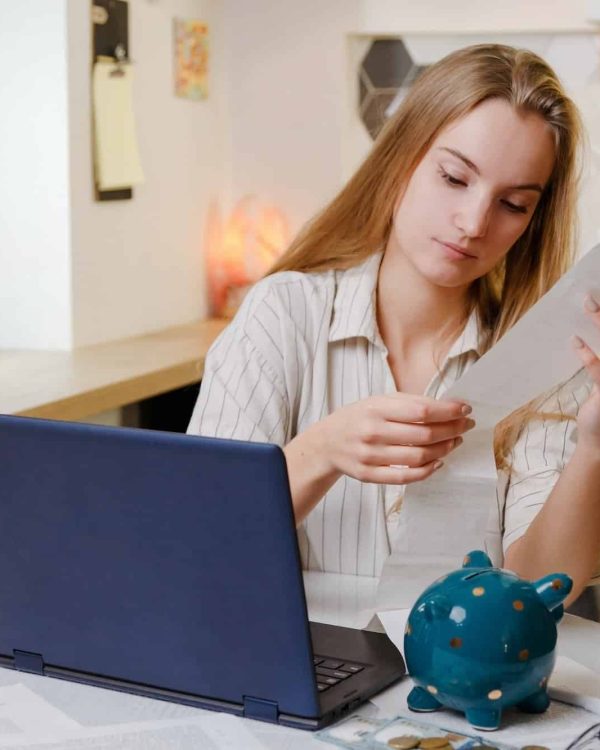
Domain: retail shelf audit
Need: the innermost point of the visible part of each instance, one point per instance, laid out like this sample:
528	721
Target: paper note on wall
116	155
451	513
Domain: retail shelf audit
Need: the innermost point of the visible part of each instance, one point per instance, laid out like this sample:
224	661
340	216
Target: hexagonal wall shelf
386	73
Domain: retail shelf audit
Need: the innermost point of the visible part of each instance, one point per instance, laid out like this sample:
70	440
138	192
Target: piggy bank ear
476	559
437	607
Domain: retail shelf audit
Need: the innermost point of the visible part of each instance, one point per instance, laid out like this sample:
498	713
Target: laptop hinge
25	661
263	710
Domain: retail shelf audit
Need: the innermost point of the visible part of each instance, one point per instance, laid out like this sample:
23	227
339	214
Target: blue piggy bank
482	639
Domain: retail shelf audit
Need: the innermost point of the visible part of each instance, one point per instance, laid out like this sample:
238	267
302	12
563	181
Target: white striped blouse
305	344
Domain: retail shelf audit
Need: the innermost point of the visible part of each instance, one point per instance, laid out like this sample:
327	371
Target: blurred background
288	114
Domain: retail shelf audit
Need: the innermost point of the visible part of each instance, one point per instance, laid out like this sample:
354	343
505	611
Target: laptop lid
155	560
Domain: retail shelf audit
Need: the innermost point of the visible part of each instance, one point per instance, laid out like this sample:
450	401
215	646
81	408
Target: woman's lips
454	251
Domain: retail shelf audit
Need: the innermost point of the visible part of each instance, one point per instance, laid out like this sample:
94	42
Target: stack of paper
117	160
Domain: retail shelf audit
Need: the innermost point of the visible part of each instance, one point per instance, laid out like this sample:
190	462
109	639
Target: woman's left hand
588	420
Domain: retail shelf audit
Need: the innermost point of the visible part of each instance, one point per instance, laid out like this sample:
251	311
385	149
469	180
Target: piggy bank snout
553	589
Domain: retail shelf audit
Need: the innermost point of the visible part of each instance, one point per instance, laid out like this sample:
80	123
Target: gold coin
433	743
406	742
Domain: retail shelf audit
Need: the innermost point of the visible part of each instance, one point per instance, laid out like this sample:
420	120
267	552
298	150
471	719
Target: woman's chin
446	277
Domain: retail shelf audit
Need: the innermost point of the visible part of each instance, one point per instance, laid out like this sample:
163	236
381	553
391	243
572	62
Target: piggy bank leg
484	718
536	703
420	700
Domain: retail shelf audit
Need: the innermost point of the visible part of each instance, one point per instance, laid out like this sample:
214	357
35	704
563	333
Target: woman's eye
455	182
514	208
450	179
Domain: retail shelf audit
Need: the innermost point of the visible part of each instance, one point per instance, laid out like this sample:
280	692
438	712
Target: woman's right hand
398	438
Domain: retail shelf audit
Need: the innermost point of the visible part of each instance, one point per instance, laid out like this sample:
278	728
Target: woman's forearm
565	534
310	472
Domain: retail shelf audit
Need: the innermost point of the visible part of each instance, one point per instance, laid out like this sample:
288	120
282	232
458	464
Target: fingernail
437	465
466	409
470	424
577	342
458	441
591	304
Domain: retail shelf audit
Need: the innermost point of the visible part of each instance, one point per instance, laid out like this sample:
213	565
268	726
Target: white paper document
29	721
43	713
575	684
26	718
117	158
555	729
456	509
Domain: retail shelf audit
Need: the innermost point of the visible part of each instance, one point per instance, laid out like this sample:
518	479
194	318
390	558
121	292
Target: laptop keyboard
331	671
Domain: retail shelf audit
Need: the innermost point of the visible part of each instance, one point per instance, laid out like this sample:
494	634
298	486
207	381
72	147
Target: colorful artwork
191	59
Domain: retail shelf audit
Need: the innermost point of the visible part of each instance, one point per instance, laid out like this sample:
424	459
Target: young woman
458	221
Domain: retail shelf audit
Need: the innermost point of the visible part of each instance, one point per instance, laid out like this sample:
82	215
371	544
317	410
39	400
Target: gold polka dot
493	695
479	591
467	560
432	689
518	605
523	655
456	642
408	629
557	584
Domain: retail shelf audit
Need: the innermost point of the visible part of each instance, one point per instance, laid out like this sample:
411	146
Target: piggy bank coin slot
476	574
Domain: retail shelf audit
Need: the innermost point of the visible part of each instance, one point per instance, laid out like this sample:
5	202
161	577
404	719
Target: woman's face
476	188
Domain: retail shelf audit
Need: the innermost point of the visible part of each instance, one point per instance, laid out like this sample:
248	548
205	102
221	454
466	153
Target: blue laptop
167	565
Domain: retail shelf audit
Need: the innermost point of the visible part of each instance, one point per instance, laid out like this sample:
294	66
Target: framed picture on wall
190	59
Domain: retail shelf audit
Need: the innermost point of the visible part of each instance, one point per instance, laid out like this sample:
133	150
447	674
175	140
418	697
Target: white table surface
335	599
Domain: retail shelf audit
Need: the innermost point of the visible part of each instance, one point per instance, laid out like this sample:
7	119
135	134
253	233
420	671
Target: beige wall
137	265
277	125
76	271
391	16
293	78
35	276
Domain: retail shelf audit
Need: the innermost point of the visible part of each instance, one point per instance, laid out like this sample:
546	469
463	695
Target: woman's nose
473	218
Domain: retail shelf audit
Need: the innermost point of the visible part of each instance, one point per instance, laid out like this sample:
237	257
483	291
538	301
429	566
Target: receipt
456	509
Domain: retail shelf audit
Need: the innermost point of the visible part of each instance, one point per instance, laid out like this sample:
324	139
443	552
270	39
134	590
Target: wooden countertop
88	380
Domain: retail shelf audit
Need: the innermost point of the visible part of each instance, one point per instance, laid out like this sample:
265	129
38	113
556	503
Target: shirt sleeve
539	456
243	394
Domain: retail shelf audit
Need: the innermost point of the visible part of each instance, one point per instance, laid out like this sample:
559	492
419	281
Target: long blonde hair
358	220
